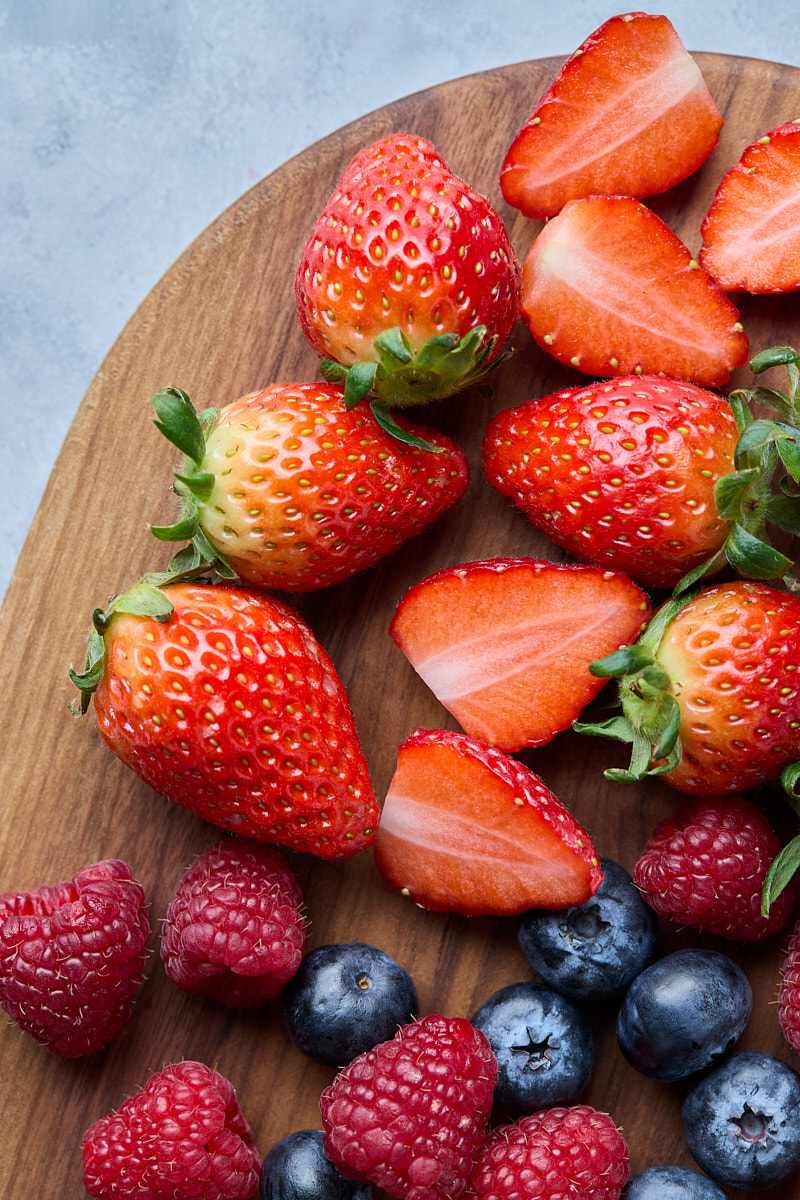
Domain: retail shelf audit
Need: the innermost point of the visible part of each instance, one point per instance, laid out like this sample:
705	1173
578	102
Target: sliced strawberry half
467	829
751	234
628	113
609	289
505	644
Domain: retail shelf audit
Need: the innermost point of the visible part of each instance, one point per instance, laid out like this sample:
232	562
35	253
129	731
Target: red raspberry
72	956
789	992
234	930
554	1154
705	867
410	1114
182	1136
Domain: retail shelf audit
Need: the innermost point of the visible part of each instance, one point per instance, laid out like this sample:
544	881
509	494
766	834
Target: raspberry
72	956
410	1114
554	1154
183	1135
789	992
705	867
234	931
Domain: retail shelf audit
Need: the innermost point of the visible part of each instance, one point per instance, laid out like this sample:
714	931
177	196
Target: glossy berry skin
671	1183
556	1154
234	930
346	998
296	1168
182	1136
592	951
233	709
619	473
742	1121
732	656
305	494
404	244
543	1045
682	1013
705	865
789	991
72	956
409	1115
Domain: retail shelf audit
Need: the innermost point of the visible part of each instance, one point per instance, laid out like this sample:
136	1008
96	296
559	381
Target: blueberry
296	1168
345	999
543	1045
671	1183
594	950
682	1013
742	1120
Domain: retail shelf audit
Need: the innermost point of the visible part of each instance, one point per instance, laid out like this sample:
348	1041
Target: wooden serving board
221	323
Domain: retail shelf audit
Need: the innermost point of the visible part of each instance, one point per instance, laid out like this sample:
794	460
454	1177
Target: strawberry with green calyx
710	693
408	287
222	700
287	489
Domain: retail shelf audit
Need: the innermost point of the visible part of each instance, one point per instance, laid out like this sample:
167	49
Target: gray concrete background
127	126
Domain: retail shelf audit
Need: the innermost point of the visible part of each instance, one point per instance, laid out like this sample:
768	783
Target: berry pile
222	699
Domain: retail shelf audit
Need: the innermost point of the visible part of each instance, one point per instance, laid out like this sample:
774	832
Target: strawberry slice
629	113
506	644
467	829
609	289
751	234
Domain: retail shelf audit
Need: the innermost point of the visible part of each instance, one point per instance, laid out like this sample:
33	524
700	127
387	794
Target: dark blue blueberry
682	1013
345	999
594	950
543	1045
671	1183
296	1168
742	1120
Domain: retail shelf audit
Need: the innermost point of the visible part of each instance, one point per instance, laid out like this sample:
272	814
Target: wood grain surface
221	323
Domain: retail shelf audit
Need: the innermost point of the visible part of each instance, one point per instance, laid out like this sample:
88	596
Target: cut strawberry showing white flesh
467	829
505	644
609	289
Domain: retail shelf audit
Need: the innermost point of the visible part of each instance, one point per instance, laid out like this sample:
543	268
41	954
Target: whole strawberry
710	695
409	1115
72	956
555	1154
705	867
234	930
182	1137
221	699
621	473
789	991
408	276
288	489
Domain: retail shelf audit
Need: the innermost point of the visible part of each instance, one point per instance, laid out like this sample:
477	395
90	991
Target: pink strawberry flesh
467	829
628	113
609	289
505	644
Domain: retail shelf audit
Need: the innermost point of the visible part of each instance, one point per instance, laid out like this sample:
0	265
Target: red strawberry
622	473
555	1154
222	700
710	693
628	113
289	490
72	956
409	273
506	644
789	991
234	929
609	289
751	234
466	829
705	867
410	1114
182	1137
